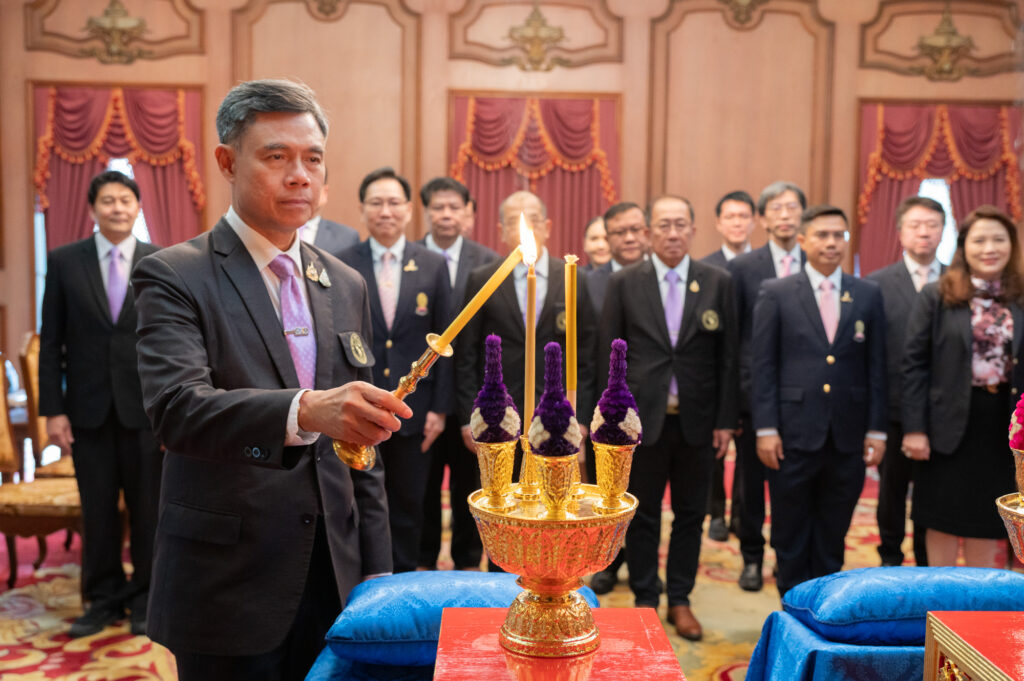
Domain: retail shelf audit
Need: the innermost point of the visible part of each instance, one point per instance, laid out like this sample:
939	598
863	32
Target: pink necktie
386	288
117	285
295	319
827	305
787	262
922	276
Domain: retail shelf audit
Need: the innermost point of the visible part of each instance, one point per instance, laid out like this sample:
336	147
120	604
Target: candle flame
527	242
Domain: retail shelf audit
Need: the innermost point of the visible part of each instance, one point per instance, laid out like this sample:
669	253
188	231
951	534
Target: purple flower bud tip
554	431
616	418
494	417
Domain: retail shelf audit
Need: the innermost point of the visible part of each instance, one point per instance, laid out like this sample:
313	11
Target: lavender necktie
673	317
117	285
295	319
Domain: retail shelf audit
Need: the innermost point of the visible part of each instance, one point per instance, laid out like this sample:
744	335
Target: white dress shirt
730	254
934	269
451	255
103	249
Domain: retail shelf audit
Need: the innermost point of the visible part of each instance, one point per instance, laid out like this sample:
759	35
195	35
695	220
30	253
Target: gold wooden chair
29	356
31	509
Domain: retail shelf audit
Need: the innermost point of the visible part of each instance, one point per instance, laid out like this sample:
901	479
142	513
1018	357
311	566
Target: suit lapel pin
846	298
410	266
421	302
694	286
858	331
324	280
311	272
710	320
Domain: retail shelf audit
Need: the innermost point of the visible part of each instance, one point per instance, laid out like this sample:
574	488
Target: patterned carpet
34	617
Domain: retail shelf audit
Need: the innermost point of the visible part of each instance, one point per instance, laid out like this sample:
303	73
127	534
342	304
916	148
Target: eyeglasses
635	230
793	207
378	204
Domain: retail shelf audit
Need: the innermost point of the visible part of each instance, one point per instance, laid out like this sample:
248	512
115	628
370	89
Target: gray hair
777	189
519	195
245	100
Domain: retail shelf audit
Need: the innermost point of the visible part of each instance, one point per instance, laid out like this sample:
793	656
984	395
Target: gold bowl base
1011	508
355	456
549	620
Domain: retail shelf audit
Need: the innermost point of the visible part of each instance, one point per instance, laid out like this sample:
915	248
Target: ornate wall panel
723	117
366	80
944	41
114	32
536	37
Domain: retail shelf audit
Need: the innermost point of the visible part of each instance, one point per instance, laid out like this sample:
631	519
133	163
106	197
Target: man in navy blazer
919	221
819	398
445	202
416	282
778	208
92	398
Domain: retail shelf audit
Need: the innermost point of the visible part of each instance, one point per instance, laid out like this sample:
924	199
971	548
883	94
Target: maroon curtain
79	129
973	147
563	150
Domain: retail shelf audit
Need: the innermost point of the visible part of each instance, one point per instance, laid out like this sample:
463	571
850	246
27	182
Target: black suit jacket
793	362
472	256
238	509
501	315
937	369
597	286
703	359
80	344
898	295
717	259
748	271
334	237
423	307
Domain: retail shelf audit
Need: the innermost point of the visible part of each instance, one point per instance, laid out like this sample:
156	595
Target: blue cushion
887	605
330	667
396	620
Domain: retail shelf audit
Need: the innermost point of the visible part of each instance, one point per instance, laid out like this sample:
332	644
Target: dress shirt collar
455	250
778	253
103	246
308	231
260	248
730	254
377	250
817	277
934	269
541	268
682	269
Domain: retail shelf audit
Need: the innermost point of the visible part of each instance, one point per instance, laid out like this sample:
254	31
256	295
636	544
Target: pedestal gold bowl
1011	509
550	618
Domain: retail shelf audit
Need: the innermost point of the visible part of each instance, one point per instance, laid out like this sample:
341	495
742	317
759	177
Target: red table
634	647
977	646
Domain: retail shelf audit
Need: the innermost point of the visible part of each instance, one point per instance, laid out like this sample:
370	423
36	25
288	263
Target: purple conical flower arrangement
494	417
554	431
616	419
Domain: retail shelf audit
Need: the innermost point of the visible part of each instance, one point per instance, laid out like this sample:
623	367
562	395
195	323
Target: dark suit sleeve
189	415
51	343
917	361
878	369
467	355
728	360
766	332
586	354
444	388
612	326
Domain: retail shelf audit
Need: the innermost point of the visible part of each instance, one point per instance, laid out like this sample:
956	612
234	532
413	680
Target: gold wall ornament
535	38
117	29
742	10
945	47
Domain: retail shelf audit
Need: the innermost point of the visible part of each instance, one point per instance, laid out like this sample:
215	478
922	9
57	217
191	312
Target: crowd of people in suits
810	373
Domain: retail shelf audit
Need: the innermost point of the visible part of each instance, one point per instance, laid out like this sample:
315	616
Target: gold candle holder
362	457
1011	509
1018	458
496	460
613	465
528	488
554	474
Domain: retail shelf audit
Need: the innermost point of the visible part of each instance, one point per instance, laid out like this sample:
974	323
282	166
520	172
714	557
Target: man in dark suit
445	202
410	297
678	317
919	221
734	220
253	355
90	393
778	208
818	398
325	234
504	314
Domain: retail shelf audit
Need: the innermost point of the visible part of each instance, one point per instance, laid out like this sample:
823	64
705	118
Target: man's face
276	171
921	232
386	211
115	211
628	236
824	240
595	243
782	216
735	222
529	206
446	214
671	230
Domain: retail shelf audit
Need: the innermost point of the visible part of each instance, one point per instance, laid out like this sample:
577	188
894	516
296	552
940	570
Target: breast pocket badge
356	349
858	331
710	320
560	323
421	304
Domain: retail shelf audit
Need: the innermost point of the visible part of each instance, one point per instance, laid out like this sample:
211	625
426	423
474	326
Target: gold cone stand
613	465
496	460
363	458
1011	508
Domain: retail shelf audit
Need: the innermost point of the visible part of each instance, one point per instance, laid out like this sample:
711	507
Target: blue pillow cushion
330	667
887	605
396	620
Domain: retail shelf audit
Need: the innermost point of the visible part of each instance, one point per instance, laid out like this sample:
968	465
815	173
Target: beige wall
710	102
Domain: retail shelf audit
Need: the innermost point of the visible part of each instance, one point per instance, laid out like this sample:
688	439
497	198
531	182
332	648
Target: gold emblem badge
846	298
358	351
560	322
694	286
421	304
710	320
858	331
324	280
410	266
311	272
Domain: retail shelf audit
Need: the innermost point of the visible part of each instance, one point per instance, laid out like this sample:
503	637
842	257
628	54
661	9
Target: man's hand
356	412
769	450
433	427
467	439
874	450
58	430
916	446
721	437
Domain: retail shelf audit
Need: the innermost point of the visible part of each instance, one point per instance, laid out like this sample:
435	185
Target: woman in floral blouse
961	378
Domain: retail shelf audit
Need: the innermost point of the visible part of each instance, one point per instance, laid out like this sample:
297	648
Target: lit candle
529	245
477	301
570	329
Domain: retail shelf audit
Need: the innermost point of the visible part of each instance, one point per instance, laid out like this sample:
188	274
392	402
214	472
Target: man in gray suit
325	234
253	354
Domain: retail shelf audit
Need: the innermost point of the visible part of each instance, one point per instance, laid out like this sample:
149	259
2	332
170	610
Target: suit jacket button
830	359
248	452
257	453
307	519
388	343
387	372
826	388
